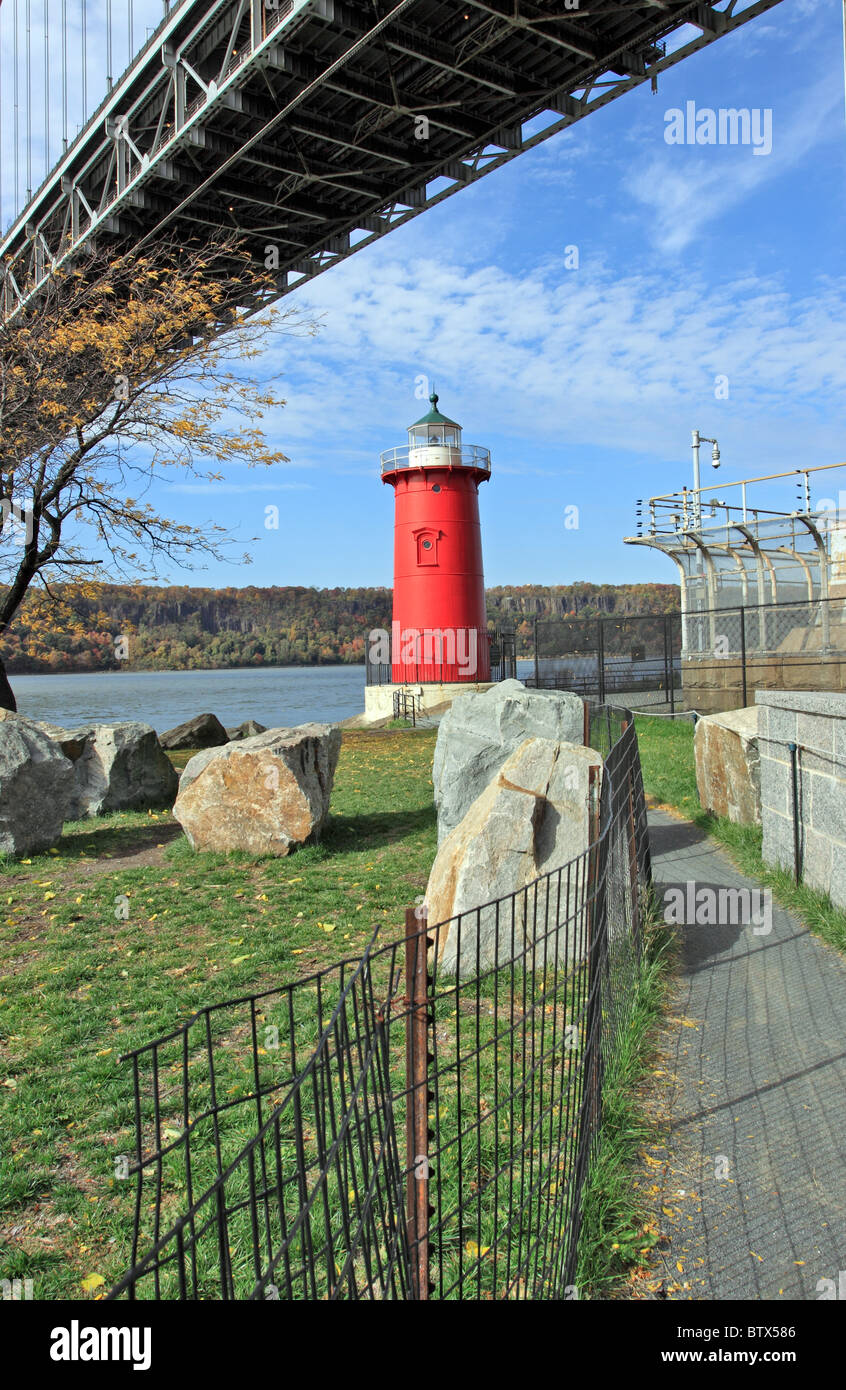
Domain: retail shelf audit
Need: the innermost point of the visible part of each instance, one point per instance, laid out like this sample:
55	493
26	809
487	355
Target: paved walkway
752	1182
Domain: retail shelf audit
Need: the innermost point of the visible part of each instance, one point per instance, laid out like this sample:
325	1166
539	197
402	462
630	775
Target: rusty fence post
592	1061
634	875
417	945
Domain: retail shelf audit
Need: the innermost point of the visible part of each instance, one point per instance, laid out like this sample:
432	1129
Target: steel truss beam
322	124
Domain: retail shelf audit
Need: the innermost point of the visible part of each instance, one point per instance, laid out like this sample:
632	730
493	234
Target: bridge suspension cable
57	59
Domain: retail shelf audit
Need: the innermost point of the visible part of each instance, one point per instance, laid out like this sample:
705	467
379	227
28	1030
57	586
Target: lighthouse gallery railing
460	456
376	1132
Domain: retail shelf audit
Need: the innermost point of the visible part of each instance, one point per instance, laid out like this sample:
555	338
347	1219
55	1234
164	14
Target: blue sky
694	262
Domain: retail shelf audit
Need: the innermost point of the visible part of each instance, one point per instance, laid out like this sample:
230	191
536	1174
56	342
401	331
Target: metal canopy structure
312	128
740	554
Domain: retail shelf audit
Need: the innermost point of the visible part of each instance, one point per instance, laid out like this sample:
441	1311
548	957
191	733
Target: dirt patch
147	850
25	930
142	848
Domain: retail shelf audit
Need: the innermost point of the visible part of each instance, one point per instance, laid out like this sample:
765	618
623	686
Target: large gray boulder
116	767
203	731
534	817
728	764
480	731
36	781
263	795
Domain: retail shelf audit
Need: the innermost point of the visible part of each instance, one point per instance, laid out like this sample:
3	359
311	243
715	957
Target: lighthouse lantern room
439	631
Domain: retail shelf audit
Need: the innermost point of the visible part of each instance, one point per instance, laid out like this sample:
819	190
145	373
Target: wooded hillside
108	627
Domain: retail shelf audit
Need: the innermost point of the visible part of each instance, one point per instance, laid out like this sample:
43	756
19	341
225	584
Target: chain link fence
704	659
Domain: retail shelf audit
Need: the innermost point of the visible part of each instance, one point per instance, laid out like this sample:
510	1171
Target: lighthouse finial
434	396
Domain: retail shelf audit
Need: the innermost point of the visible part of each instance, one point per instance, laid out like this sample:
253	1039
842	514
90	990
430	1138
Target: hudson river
275	696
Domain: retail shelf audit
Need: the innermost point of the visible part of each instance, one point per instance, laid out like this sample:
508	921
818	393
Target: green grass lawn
669	778
666	756
121	934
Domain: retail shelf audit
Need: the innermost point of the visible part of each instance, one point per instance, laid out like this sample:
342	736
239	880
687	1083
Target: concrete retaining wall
379	699
712	684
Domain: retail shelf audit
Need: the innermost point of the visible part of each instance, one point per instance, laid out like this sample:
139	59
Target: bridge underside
311	128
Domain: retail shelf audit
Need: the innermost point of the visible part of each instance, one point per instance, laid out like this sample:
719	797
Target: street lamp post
697	481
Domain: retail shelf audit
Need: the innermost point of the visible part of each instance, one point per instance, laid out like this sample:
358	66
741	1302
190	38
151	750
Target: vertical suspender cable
84	61
64	74
46	4
2	219
109	44
28	100
15	131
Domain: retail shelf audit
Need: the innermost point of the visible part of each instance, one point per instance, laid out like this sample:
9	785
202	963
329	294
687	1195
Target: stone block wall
815	721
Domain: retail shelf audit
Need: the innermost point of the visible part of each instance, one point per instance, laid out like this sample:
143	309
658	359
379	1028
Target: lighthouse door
427	545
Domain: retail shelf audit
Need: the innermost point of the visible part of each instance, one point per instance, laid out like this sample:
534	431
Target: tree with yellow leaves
117	374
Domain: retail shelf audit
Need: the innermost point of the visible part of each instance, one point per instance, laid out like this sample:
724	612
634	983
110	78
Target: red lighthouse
440	622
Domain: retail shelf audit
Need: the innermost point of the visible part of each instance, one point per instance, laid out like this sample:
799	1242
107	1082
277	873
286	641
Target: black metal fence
635	659
702	659
385	1130
501	644
405	706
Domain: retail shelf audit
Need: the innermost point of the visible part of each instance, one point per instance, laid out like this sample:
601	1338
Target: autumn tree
120	373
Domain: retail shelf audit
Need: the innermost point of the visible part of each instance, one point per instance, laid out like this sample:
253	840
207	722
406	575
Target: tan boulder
263	795
533	817
728	774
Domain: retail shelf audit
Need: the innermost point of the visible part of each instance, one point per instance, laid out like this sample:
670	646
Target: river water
275	696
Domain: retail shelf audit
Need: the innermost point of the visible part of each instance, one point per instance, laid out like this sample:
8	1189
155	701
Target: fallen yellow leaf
475	1251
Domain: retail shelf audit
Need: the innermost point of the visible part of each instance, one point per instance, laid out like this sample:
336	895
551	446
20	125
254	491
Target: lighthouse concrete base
379	699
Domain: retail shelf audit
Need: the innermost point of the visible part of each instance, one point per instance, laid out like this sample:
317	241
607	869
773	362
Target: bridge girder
328	123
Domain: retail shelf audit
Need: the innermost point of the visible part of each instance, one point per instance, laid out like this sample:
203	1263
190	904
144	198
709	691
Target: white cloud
686	187
555	359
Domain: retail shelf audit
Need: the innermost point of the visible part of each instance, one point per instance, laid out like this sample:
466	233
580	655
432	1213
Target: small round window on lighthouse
427	545
436	487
